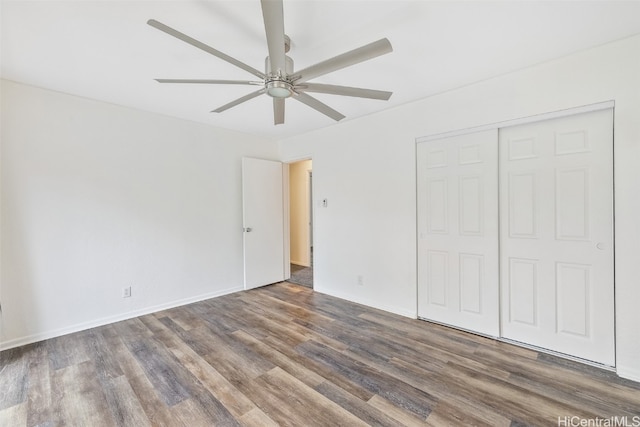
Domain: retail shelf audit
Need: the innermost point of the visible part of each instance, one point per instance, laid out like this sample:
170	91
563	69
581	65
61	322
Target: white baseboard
628	373
17	342
369	303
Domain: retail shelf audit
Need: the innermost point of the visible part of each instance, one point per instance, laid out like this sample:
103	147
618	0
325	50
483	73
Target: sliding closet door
556	210
458	231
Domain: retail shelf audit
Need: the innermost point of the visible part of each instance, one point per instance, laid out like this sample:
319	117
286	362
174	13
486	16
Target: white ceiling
104	50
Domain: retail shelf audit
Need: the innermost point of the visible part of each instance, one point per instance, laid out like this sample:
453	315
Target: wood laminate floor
285	355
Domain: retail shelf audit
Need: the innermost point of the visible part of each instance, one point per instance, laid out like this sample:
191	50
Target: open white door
263	222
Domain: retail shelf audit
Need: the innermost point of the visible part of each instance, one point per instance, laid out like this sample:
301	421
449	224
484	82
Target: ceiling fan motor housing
278	82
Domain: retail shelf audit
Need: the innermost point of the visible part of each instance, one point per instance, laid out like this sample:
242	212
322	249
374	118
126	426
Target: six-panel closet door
556	235
458	231
515	233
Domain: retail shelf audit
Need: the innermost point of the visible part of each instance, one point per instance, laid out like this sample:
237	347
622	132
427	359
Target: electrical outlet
360	280
126	292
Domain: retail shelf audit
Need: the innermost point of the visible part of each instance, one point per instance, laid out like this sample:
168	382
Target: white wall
366	170
299	212
96	197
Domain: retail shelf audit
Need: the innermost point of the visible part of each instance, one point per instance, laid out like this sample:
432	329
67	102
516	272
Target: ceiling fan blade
273	17
278	111
346	59
317	105
185	38
344	91
239	101
208	81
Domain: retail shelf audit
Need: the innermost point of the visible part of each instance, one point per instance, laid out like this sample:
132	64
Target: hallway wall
300	212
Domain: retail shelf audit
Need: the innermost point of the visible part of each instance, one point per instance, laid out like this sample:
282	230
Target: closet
515	233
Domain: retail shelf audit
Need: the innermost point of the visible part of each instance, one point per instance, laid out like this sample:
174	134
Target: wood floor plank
227	315
125	407
67	350
127	362
357	407
290	402
157	412
200	399
79	397
189	413
291	310
238	356
559	380
236	402
97	348
257	418
158	367
200	340
39	397
447	413
321	369
401	417
289	331
14	374
437	383
333	308
278	359
15	415
277	329
286	355
399	393
186	317
152	322
561	392
521	404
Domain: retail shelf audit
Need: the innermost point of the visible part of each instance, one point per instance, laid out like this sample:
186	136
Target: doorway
301	222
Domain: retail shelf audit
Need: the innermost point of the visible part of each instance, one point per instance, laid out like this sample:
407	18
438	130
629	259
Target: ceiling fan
279	79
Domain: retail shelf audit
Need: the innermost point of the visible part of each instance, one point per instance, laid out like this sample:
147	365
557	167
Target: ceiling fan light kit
279	80
279	89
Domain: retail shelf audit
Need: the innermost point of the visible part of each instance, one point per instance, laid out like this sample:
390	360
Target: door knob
600	246
248	229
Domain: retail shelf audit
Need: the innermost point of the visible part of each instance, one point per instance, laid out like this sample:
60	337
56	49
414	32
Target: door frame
310	222
521	121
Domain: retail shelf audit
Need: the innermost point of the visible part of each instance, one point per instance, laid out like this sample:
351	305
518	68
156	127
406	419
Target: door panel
263	222
556	207
458	231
